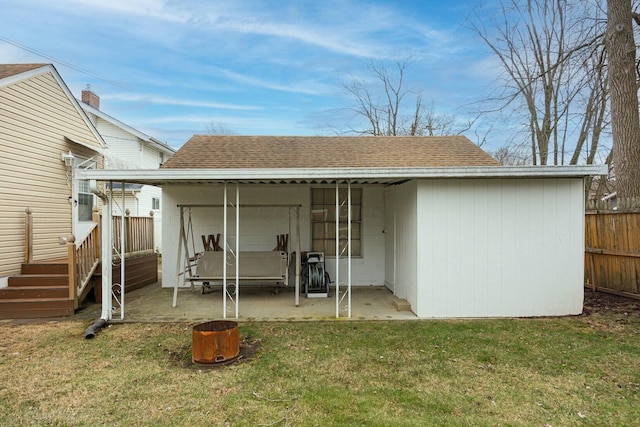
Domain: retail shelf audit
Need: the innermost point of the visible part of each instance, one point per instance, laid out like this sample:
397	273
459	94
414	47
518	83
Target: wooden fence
612	248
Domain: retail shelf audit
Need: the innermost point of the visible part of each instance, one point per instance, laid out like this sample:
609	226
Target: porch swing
255	267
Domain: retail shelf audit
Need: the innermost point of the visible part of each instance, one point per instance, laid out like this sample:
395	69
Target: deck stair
40	291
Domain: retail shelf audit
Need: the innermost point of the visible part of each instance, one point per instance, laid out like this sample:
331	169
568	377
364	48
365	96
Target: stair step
401	304
22	292
38	280
32	309
45	268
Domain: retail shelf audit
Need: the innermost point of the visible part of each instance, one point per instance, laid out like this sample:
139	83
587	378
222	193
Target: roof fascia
186	175
76	105
26	75
133	131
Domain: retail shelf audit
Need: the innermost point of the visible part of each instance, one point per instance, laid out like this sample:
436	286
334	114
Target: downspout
106	260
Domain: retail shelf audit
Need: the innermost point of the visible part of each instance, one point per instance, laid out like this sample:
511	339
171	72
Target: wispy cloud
162	100
308	86
260	67
154	9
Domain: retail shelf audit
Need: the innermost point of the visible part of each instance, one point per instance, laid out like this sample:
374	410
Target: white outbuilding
436	220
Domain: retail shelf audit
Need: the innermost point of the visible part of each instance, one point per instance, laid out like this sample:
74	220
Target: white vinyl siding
150	158
124	146
35	117
126	150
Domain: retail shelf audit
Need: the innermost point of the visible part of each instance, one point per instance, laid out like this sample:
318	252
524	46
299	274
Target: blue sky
173	68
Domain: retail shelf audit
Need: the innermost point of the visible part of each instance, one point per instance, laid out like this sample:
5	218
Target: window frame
323	221
84	192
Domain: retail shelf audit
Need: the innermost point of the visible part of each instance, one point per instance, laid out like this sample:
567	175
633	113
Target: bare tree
625	120
509	155
219	128
553	64
388	110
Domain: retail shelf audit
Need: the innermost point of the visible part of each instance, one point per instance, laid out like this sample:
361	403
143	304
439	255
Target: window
85	197
323	220
155	203
160	158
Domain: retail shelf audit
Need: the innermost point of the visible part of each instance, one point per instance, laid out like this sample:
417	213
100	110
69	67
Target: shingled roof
251	152
8	70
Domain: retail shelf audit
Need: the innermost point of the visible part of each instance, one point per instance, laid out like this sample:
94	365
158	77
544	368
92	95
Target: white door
83	201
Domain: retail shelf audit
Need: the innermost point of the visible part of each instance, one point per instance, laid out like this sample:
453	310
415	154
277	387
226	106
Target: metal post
224	256
107	256
349	250
122	252
178	258
298	257
337	251
237	247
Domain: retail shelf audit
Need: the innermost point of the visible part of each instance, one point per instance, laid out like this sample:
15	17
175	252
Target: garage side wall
401	234
500	247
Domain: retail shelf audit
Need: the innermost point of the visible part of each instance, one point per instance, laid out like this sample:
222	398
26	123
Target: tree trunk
625	120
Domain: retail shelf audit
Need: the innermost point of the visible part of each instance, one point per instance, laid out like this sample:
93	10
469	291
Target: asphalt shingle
8	70
253	152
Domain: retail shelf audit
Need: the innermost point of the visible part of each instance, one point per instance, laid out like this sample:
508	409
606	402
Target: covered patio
153	304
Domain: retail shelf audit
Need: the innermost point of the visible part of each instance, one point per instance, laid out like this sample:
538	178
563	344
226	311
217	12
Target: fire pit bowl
215	342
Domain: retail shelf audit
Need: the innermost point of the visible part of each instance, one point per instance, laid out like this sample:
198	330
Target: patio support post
298	257
179	257
107	255
349	250
122	251
224	255
337	250
237	247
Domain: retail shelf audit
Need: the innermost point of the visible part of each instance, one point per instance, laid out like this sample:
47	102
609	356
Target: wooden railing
138	234
84	257
28	236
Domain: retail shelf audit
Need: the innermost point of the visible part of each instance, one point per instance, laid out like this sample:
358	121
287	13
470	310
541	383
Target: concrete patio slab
260	303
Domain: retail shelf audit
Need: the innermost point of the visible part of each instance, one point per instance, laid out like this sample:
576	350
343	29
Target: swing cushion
263	265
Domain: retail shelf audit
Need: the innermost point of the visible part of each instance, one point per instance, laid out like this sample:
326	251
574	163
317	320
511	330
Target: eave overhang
387	176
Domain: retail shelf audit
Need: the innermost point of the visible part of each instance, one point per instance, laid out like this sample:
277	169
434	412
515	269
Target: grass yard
531	372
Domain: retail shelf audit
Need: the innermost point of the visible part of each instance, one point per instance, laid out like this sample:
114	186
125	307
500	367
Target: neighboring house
434	219
45	138
50	245
128	148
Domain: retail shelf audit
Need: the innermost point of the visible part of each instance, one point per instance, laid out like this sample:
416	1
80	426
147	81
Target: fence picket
612	246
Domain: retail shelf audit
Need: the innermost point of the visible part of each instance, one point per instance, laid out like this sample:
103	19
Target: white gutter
170	175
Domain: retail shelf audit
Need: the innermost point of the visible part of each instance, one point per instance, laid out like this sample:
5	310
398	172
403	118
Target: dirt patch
602	302
181	357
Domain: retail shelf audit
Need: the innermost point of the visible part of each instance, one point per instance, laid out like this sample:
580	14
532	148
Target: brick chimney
90	98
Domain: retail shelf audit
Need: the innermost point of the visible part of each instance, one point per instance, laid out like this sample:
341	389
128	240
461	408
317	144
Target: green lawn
534	372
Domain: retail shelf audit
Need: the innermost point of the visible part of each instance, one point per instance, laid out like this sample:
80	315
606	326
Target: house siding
500	247
121	143
35	117
150	158
126	147
260	226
